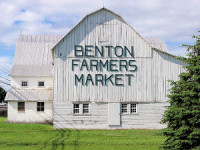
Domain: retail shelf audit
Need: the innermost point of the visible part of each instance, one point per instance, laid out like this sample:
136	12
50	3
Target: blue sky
174	21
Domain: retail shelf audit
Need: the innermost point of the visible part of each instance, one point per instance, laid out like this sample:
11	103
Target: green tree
183	115
2	94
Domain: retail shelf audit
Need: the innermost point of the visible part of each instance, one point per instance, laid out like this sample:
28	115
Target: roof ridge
39	38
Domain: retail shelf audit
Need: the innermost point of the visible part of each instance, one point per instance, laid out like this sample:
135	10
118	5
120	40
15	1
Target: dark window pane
40	106
42	109
76	105
124	108
85	111
24	83
41	83
85	108
133	108
76	108
85	105
21	106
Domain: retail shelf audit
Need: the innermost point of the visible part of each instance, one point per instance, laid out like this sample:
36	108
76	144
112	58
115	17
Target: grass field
36	136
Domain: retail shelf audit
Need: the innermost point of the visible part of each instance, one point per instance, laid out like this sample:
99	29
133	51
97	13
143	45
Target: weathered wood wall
147	117
149	86
30	115
150	83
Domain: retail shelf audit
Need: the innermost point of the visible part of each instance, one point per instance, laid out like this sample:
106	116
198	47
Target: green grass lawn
37	136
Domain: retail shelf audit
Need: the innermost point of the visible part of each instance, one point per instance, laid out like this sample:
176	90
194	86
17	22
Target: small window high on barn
24	83
76	109
21	106
41	83
40	106
133	108
124	108
85	108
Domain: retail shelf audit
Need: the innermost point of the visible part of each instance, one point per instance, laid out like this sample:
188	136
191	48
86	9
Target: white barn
101	75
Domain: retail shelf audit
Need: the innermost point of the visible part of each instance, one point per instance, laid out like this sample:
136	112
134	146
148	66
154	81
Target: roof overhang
29	95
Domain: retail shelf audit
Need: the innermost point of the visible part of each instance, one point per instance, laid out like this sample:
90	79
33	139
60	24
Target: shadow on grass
61	137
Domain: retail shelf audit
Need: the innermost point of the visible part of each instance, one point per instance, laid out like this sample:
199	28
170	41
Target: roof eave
165	52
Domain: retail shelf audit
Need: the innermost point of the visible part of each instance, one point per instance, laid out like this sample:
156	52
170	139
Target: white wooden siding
30	115
149	86
32	82
147	117
150	83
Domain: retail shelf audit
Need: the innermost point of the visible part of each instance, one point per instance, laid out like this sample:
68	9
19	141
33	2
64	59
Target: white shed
30	99
103	74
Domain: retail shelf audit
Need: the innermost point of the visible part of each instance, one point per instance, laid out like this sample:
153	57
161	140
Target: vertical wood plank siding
150	83
147	117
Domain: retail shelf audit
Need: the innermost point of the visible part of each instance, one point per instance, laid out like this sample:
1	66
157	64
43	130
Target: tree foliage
183	115
2	94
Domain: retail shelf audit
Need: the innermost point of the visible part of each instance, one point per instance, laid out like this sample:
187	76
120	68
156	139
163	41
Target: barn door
114	113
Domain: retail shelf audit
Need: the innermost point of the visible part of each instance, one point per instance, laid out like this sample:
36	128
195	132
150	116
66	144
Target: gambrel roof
33	53
154	42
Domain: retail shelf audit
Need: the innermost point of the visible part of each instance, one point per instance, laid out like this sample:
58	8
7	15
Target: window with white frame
133	108
124	108
81	108
24	83
130	108
76	109
85	108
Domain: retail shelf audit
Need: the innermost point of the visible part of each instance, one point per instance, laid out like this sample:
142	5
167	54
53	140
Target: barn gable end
103	28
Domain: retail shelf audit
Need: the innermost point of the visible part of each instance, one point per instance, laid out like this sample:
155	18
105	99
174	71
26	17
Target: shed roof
29	95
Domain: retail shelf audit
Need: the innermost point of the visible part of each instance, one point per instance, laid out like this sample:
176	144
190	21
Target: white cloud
173	21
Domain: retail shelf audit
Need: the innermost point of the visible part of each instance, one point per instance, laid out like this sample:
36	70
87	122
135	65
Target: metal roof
32	70
29	95
33	56
101	9
156	43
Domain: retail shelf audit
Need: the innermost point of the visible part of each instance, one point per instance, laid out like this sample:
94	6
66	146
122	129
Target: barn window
21	106
133	108
85	108
41	83
124	108
81	109
76	109
24	83
40	106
